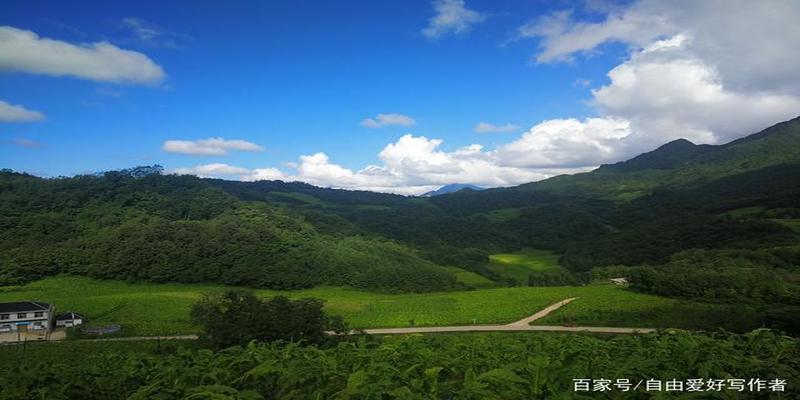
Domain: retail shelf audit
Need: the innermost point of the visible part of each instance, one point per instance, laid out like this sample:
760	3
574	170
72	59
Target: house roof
69	315
23	306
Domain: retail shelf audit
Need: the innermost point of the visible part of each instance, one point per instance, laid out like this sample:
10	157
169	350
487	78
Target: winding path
521	325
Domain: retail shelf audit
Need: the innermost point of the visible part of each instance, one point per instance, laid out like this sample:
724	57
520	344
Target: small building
69	319
619	281
26	316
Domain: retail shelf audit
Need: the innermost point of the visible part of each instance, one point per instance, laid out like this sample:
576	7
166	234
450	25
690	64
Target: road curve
506	328
516	326
541	314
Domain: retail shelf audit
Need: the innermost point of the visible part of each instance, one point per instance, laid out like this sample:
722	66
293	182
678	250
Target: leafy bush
237	318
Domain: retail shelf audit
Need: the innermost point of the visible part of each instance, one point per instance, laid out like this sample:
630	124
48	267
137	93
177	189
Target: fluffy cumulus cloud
18	113
211	170
25	51
382	120
567	143
209	147
452	17
485	127
411	165
707	71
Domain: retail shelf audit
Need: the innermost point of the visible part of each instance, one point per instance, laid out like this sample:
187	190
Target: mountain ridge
680	163
451	188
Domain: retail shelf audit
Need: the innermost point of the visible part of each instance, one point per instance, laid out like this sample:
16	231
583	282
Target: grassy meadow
519	265
472	279
162	309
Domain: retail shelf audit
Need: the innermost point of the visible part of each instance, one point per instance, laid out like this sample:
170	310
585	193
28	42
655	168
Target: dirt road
517	326
521	325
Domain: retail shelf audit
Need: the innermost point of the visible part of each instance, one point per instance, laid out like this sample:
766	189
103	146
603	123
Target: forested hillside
140	224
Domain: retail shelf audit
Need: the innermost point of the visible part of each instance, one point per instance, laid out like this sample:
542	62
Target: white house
69	319
26	316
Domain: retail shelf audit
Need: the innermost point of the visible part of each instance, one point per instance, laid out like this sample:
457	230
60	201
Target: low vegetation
472	366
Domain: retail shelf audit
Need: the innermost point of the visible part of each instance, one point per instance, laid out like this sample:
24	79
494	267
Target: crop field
519	265
162	309
472	279
601	305
793	224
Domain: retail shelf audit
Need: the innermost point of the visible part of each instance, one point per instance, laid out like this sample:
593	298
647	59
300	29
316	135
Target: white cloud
411	165
667	96
25	51
209	147
567	143
452	16
211	170
18	113
23	142
707	71
143	30
752	44
561	36
580	82
266	174
485	127
382	120
146	33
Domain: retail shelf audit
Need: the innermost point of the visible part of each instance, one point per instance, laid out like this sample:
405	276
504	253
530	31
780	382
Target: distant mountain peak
677	143
451	188
666	156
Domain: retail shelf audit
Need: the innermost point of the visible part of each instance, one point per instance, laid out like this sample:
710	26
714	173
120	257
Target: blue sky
298	80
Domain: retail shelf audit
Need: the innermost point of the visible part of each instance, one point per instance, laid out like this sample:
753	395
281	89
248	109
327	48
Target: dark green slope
668	156
652	228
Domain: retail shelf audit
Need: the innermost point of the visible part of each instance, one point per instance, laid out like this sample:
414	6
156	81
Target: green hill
139	224
680	163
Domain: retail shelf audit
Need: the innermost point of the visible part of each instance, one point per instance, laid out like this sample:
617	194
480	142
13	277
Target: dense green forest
143	225
475	366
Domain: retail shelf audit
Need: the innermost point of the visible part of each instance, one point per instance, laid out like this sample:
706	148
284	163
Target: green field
503	214
519	265
162	309
793	224
625	308
77	352
472	279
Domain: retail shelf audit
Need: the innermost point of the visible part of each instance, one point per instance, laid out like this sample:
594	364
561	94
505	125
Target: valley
163	309
702	246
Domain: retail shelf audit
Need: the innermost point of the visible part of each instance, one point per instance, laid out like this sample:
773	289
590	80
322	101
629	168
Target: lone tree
237	317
